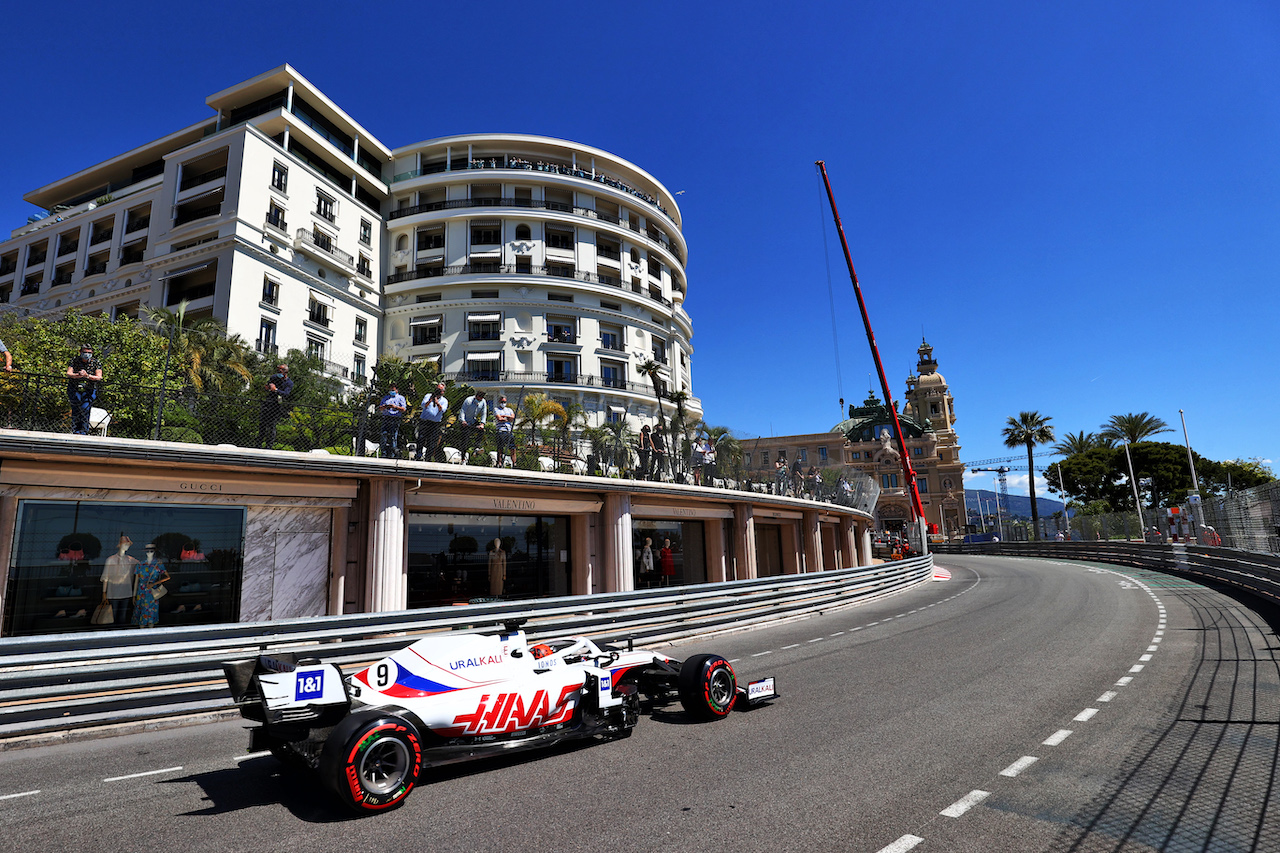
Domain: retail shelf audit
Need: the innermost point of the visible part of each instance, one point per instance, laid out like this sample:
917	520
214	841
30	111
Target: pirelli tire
708	687
372	760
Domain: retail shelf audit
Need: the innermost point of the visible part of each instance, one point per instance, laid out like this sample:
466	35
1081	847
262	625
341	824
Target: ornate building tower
929	402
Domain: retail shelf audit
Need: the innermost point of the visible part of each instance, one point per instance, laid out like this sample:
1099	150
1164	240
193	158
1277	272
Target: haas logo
507	712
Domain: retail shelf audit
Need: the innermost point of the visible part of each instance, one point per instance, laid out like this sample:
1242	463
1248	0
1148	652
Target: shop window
63	549
685	541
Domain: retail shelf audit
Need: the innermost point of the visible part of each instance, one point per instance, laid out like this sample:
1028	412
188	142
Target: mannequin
497	569
117	580
150	574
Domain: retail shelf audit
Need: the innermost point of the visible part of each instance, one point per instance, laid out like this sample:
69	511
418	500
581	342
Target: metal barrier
67	681
1248	570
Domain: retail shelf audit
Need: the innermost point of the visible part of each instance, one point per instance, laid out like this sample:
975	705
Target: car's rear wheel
708	687
372	760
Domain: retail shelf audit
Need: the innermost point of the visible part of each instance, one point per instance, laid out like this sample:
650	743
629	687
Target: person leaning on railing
83	375
429	438
279	386
473	414
391	407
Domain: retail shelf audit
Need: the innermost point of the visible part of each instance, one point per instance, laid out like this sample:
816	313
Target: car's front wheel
708	687
372	760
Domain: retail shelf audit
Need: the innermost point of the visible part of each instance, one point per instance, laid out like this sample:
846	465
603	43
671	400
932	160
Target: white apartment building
517	263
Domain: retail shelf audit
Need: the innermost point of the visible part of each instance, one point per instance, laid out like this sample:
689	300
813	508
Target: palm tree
728	450
571	415
534	409
1079	442
1133	428
212	357
1029	429
652	369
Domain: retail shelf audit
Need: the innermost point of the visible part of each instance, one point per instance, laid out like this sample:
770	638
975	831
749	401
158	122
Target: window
325	207
611	338
322	240
484	294
660	350
561	369
364	266
523	232
362	330
655	267
366	232
561	330
358	370
804	454
36	253
888	481
764	458
426	330
402	243
746	460
613	374
557	239
922	484
488	233
318	313
315	348
614	415
855	455
427	297
280	177
917	451
635	256
430	238
275	216
484	327
484	366
933	408
524	264
266	337
822	455
270	291
560	297
610	306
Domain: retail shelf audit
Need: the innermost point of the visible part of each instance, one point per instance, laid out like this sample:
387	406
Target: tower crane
1002	502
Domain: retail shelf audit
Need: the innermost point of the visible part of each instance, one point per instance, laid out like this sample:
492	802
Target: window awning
485	223
618	410
483	356
322	297
424	321
483	318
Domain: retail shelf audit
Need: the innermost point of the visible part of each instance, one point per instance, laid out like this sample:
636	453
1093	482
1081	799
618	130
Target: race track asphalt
1023	705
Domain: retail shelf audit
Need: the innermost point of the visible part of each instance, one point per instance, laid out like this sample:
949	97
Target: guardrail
68	681
1248	570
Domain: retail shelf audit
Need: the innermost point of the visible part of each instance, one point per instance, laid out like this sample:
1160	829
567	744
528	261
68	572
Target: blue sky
1076	203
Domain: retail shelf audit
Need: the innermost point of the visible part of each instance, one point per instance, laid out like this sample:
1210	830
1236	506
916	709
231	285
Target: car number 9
384	675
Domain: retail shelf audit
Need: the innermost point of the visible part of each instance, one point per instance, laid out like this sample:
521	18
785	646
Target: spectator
659	454
391	407
475	411
430	422
8	356
506	421
83	375
279	386
780	475
646	451
797	478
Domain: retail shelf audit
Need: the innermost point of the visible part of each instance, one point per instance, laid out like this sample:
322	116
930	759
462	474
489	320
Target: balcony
339	370
68	248
185	213
326	212
517	377
99	236
277	221
8	266
483	336
320	318
364	269
555	271
561	336
608	252
36	258
131	255
62	278
203	178
30	288
137	224
96	268
266	347
322	247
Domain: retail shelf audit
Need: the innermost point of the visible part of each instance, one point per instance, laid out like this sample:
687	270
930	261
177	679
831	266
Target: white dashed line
140	775
1108	696
240	758
33	793
859	628
1085	715
902	845
1153	648
868	625
1158	634
1122	682
762	654
965	803
837	633
792	646
1056	738
817	639
1137	667
1018	766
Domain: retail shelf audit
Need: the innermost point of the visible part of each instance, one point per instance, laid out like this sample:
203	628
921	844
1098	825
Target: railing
36	258
184	215
277	221
95	269
324	244
333	368
67	248
203	178
137	224
608	252
62	278
30	289
264	347
539	204
514	269
67	681
326	213
504	161
563	336
8	267
96	237
132	256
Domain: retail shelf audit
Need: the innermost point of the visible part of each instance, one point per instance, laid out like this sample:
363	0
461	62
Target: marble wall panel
286	563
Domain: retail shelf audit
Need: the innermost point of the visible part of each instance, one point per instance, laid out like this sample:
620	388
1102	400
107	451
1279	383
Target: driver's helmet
541	650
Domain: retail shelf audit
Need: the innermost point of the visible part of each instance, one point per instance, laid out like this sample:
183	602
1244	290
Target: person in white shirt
429	438
506	420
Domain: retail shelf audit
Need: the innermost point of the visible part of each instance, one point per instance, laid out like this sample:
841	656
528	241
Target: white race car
455	697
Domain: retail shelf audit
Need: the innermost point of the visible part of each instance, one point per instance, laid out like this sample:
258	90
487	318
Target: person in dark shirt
279	387
83	375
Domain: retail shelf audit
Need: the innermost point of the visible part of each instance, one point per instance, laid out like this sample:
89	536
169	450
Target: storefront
686	544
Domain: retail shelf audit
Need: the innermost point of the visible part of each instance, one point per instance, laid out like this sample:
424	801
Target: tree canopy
1133	428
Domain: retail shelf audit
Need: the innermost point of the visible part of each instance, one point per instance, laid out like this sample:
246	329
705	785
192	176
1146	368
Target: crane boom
917	508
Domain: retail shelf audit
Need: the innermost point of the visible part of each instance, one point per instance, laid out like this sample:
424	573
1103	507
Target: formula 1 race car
449	698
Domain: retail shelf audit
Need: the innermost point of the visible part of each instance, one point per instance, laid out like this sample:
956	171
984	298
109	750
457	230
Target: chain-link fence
350	425
1248	519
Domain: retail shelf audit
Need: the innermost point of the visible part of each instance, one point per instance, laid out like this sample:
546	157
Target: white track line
1056	738
762	654
1137	667
1018	766
1108	696
965	803
902	845
1085	716
140	775
15	796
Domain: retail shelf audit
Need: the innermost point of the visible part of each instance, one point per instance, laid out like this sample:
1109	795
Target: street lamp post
1194	498
1133	481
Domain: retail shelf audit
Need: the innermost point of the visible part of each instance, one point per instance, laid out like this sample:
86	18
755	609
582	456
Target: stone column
581	554
744	541
792	550
811	538
864	545
713	533
337	559
846	543
619	570
388	558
